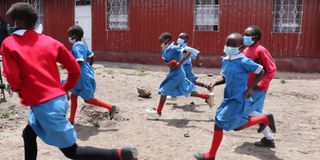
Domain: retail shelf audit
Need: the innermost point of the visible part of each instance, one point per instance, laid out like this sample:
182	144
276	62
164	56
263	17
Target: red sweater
30	66
261	55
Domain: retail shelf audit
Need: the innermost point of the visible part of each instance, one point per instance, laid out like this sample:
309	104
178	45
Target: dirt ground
184	128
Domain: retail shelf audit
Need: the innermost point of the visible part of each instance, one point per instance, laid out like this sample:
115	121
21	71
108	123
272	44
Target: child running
86	86
187	65
260	55
233	113
176	83
30	66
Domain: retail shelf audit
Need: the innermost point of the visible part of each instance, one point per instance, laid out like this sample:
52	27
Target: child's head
22	16
165	39
182	38
234	44
251	35
75	33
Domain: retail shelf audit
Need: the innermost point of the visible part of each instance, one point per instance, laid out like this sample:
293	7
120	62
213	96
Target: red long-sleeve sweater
261	55
30	66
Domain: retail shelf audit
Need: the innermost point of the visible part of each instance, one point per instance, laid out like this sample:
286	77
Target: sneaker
172	98
200	156
261	127
264	142
210	100
153	113
272	125
113	112
128	153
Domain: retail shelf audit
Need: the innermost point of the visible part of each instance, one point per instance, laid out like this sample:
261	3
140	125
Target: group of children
30	58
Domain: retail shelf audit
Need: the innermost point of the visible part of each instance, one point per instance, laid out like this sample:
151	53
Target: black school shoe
264	142
113	112
129	153
200	156
272	125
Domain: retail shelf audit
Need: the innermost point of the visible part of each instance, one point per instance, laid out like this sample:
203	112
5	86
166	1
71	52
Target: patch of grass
109	71
142	72
283	81
5	115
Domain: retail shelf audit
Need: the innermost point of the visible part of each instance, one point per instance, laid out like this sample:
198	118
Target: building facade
128	30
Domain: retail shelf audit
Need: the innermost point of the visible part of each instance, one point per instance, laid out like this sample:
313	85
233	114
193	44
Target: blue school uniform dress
176	83
235	108
48	120
86	86
187	65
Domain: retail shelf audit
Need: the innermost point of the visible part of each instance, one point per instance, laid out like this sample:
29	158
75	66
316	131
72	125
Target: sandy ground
184	128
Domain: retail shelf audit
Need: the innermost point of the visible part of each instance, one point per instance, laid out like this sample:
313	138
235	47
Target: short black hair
184	35
165	36
25	12
256	31
76	30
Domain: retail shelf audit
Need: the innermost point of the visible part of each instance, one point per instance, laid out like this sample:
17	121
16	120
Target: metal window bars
117	14
206	13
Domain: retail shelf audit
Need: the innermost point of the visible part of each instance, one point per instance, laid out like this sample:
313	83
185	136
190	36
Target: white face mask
231	50
72	40
180	41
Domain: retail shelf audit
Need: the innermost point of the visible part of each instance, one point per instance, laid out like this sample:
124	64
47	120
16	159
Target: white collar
233	57
20	32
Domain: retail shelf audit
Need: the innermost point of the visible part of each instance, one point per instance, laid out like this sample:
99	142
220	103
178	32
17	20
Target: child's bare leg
30	143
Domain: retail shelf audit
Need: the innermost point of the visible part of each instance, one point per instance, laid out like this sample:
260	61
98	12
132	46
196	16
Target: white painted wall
83	18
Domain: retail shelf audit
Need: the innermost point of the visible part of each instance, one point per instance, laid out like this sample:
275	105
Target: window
117	14
206	13
83	2
287	16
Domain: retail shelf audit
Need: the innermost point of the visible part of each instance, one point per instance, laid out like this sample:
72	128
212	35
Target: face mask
180	41
247	40
231	50
72	40
10	29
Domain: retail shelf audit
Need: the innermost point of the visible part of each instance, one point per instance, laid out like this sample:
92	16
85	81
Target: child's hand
173	63
199	64
248	93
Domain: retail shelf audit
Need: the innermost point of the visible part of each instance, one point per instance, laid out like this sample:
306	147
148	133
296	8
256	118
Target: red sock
74	105
159	108
99	103
255	120
216	140
204	96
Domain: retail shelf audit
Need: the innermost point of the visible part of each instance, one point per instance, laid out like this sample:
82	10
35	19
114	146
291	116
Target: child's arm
198	62
183	59
66	59
249	91
217	83
11	69
91	60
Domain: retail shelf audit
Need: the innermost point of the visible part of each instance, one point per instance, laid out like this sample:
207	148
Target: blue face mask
180	41
231	50
247	40
72	40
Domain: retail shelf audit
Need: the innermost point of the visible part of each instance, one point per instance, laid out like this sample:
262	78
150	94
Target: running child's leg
30	143
74	106
266	132
265	119
162	101
112	108
84	153
216	140
204	96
